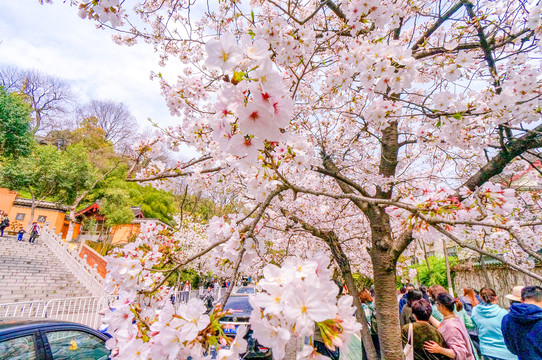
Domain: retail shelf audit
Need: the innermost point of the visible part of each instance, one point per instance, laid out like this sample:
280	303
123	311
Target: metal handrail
82	310
22	309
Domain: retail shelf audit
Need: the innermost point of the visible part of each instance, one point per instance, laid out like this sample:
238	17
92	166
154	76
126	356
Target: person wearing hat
522	326
515	296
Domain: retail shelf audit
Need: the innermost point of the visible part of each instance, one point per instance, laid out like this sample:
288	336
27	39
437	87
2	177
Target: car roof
11	324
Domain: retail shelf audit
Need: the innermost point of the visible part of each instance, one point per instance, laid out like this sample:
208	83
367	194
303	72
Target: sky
55	40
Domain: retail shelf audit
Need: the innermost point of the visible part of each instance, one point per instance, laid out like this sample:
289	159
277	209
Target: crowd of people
437	326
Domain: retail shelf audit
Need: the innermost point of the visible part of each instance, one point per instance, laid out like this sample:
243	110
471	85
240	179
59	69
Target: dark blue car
50	340
241	308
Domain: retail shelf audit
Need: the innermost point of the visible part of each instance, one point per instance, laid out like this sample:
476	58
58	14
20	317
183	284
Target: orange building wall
7	198
123	233
55	218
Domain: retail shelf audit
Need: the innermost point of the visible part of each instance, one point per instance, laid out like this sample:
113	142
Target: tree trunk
386	305
425	255
448	273
346	272
32	211
71	227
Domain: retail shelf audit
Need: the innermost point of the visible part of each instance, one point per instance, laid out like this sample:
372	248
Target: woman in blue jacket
488	318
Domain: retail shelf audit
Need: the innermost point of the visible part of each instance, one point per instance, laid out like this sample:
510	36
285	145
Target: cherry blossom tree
353	128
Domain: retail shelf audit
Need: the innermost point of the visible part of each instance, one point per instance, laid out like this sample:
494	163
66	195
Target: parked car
50	340
247	290
241	308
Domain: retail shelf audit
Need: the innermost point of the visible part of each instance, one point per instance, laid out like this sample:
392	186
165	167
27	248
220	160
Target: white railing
87	275
22	309
179	297
82	310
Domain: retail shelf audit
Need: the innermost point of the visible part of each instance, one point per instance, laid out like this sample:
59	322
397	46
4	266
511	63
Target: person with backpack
34	232
4	223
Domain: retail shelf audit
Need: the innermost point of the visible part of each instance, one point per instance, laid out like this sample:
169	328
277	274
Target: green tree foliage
39	174
437	273
154	203
49	173
183	275
205	207
115	206
78	174
93	140
15	137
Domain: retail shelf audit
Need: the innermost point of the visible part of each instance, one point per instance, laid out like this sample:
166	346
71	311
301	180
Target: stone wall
502	278
94	258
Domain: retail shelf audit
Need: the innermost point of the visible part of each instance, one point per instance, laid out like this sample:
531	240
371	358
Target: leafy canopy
15	137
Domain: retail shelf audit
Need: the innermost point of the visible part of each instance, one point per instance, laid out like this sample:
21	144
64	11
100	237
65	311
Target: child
20	234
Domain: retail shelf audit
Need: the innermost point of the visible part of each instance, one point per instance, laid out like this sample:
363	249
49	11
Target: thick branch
530	140
448	14
168	175
332	240
488	56
233	278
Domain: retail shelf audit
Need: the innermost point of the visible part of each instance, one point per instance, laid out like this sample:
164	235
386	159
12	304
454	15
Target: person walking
522	326
406	314
367	304
403	301
20	234
468	300
4	223
453	330
208	299
488	318
423	331
426	297
434	291
186	291
34	232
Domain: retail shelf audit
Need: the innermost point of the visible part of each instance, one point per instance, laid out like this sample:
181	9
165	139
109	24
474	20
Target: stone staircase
32	272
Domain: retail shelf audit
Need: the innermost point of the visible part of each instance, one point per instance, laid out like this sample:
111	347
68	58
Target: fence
82	310
87	275
22	309
180	297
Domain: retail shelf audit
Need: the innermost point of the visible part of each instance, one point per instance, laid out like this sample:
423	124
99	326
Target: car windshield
245	290
239	305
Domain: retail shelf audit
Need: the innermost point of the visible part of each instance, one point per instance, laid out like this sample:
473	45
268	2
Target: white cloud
54	40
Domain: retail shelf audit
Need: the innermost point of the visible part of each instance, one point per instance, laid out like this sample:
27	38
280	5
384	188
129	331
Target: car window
21	348
76	345
245	290
239	304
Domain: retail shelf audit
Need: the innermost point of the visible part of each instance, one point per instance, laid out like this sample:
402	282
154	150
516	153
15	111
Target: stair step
30	272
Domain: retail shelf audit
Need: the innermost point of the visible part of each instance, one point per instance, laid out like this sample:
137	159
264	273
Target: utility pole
448	274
